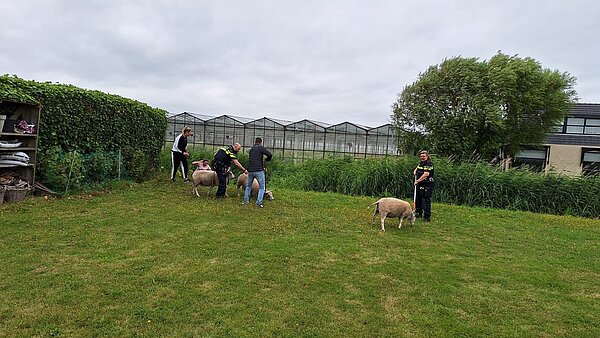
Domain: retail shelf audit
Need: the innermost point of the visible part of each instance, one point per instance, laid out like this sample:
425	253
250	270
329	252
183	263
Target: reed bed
473	184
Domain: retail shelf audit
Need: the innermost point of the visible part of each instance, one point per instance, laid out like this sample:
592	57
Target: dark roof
586	110
573	139
579	110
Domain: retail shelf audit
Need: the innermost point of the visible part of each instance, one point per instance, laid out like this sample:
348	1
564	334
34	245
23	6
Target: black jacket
255	157
179	144
423	167
224	156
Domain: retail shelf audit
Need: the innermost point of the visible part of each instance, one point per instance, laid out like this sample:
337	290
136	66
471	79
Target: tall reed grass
474	184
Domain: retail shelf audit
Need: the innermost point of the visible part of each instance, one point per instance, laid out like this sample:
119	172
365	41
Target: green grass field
152	260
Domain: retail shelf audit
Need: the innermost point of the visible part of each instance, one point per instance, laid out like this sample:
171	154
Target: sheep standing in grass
207	178
241	183
393	207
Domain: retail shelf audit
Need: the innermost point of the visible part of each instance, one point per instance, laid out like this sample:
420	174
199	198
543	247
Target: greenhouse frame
297	141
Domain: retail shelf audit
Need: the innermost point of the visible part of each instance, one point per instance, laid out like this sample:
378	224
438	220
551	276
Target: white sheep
207	178
241	182
393	207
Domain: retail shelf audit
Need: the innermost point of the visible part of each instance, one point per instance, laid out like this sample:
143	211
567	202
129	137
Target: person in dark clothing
256	169
179	154
424	185
221	163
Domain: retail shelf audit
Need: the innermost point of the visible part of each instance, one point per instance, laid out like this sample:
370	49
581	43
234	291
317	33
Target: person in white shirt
179	154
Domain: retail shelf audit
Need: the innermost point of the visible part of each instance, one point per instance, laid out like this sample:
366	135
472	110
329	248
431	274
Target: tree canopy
467	108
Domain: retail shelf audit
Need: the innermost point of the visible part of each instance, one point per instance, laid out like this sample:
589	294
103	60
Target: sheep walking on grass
393	207
207	178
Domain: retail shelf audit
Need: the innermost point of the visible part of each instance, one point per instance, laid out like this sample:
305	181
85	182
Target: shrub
475	184
139	165
102	166
61	170
87	121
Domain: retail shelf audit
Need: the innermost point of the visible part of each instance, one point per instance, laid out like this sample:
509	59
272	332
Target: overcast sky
329	61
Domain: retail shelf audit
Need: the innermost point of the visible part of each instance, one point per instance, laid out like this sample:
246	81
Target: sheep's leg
383	222
196	190
400	218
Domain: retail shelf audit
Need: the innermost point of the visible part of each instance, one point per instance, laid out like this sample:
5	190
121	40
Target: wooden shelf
17	149
17	134
31	114
16	166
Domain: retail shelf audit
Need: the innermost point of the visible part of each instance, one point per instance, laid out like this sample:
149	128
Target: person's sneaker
245	203
260	205
186	180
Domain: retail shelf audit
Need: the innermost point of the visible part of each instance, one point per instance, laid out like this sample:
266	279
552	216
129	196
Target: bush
61	170
86	171
475	184
102	166
139	165
87	121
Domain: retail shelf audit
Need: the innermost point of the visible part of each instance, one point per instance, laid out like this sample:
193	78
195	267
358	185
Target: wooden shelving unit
30	113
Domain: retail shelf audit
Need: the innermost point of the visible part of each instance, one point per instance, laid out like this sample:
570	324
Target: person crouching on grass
202	165
179	154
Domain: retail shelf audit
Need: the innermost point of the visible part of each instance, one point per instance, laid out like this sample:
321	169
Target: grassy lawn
152	260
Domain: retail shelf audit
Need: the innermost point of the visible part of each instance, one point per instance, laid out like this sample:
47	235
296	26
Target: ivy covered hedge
90	121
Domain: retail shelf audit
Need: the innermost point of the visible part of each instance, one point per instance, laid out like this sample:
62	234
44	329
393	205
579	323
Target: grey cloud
323	60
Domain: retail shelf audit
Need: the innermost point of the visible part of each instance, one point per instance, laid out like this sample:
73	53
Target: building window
590	159
575	125
533	158
592	126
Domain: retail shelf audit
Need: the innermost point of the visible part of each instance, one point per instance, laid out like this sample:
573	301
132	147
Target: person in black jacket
179	154
256	169
424	184
221	163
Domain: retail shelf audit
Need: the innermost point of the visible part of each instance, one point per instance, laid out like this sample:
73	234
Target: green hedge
475	184
89	121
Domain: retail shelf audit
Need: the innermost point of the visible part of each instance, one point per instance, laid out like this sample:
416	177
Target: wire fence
297	141
69	171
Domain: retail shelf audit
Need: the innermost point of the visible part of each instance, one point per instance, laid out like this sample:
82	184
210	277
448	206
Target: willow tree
467	108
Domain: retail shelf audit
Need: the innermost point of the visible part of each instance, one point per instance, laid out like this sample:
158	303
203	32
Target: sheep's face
269	195
412	218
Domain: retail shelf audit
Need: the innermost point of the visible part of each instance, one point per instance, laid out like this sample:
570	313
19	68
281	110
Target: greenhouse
299	141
